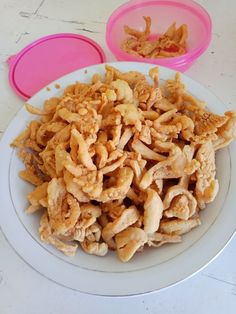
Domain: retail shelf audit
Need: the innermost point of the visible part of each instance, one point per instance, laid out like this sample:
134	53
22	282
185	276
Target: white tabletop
23	290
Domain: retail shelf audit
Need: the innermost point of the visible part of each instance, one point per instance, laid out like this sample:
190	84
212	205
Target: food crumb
85	71
83	111
57	86
48	89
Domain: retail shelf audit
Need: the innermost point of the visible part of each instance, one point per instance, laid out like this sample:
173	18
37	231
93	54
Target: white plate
152	270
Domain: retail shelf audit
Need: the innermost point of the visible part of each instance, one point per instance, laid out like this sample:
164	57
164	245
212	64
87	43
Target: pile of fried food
121	163
171	44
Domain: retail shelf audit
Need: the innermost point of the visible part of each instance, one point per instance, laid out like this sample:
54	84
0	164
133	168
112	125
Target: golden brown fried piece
206	186
127	218
153	210
47	236
178	226
36	196
140	35
129	241
226	132
179	202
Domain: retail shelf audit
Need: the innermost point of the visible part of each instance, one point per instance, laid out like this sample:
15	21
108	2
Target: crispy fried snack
119	163
171	44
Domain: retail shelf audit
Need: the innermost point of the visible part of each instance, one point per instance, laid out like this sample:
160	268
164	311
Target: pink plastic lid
49	58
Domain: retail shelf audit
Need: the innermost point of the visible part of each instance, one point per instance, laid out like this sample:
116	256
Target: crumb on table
57	86
48	89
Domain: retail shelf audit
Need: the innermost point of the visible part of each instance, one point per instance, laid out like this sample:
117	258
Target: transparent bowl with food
162	14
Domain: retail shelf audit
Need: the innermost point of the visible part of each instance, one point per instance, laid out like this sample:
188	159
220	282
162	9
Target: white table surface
23	290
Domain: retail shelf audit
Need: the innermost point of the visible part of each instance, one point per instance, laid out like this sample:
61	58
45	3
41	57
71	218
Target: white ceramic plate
152	270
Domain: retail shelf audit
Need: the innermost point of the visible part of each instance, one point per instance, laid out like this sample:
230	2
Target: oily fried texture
170	44
121	163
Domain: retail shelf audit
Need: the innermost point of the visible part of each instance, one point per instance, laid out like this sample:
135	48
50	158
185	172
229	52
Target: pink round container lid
49	58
